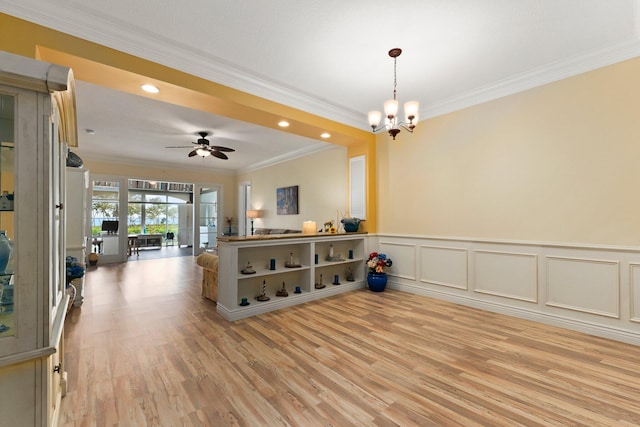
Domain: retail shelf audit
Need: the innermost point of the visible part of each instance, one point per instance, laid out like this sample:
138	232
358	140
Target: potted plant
377	277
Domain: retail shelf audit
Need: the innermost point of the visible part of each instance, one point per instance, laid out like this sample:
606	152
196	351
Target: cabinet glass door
7	217
208	218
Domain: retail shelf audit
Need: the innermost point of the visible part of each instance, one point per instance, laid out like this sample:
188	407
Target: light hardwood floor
146	349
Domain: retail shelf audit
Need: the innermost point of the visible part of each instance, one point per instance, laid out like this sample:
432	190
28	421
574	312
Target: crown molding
537	77
90	157
193	167
83	23
150	46
285	158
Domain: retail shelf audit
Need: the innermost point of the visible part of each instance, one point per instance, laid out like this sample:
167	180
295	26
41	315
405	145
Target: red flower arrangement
377	262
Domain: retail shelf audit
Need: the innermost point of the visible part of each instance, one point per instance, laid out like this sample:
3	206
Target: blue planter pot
377	281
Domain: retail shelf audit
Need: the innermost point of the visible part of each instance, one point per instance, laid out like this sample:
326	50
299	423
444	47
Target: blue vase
6	246
377	281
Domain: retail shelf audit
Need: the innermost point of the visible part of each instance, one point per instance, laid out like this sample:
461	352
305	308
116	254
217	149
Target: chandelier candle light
391	123
309	227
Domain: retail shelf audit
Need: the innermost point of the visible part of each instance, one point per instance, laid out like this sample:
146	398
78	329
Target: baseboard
548	319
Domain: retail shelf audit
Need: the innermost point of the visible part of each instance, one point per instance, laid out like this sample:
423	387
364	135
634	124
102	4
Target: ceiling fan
204	149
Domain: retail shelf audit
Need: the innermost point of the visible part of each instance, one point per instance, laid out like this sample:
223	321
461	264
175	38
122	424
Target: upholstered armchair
209	264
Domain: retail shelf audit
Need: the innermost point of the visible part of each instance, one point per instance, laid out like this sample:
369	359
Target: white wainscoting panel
593	289
404	259
586	285
444	266
506	274
634	287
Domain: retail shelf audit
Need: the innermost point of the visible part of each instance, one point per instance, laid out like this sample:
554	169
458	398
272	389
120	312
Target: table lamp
253	214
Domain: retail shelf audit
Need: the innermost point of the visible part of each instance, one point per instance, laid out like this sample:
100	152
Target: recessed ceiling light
325	135
90	131
150	88
283	123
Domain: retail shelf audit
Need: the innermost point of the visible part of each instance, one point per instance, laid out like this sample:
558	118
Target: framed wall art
287	200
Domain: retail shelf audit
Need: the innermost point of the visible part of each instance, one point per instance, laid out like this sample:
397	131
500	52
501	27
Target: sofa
209	263
265	231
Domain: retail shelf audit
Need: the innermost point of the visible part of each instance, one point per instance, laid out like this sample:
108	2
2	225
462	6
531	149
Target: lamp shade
202	152
309	227
411	109
253	213
391	108
374	118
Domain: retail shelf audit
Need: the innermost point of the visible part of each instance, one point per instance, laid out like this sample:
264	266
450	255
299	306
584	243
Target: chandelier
391	122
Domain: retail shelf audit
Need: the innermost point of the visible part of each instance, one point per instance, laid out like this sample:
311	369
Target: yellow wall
322	191
557	163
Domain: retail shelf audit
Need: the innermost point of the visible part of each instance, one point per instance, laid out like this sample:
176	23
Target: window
153	206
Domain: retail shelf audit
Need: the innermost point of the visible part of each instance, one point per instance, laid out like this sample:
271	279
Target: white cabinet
32	171
77	191
287	261
185	225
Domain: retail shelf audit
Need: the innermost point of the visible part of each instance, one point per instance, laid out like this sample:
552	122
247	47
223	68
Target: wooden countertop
284	236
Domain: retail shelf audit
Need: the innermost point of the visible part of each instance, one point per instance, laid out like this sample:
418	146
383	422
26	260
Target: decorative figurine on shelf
320	285
263	296
332	257
248	269
349	275
290	263
336	280
282	292
327	226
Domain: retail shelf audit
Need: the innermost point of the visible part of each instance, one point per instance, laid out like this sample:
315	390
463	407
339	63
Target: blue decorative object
6	247
351	225
74	269
377	281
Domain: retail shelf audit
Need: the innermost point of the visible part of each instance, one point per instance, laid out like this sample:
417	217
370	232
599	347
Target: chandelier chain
395	84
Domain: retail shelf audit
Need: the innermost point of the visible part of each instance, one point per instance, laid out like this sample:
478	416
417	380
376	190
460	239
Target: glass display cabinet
32	275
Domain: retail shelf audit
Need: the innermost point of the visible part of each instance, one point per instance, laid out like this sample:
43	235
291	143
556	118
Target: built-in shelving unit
286	260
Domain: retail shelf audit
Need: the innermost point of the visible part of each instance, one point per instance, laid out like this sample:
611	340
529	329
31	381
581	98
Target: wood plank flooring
146	349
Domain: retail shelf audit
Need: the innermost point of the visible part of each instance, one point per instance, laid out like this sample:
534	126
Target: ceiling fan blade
193	153
219	154
225	149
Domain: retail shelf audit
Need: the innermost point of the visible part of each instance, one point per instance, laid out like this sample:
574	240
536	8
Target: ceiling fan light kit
391	123
205	149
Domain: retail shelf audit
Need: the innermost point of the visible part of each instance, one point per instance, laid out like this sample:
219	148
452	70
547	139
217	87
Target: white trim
604	331
144	44
635	249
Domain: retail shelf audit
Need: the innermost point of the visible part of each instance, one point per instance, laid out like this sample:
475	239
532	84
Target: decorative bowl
351	225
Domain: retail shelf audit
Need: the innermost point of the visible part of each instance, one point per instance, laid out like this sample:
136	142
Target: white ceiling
328	58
